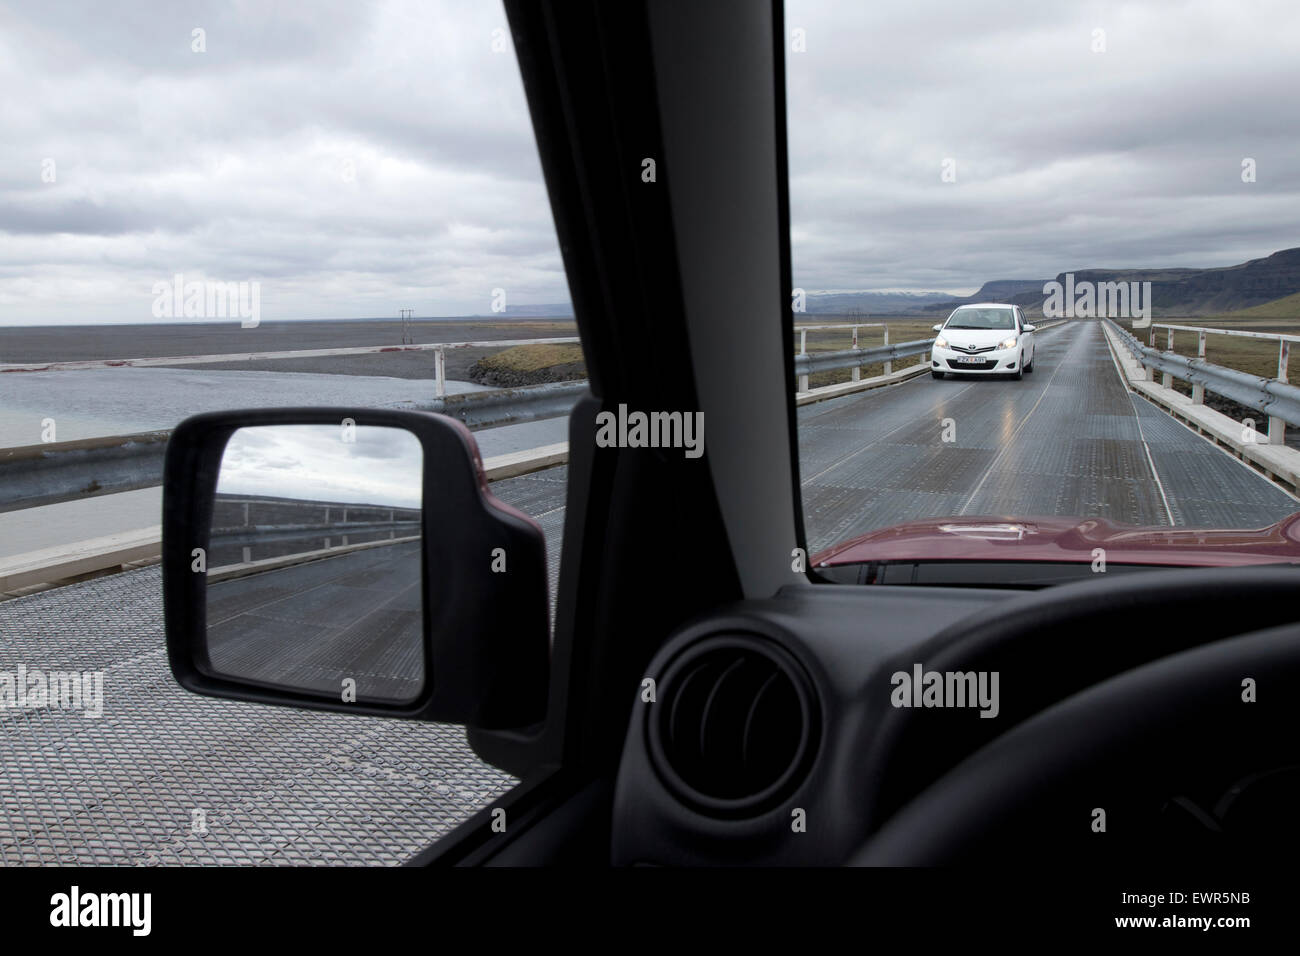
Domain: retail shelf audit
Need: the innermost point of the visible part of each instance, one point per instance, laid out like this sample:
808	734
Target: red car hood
1067	539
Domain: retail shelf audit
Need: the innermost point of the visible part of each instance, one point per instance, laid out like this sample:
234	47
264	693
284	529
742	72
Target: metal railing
1198	391
34	475
250	528
807	364
803	331
1276	398
439	350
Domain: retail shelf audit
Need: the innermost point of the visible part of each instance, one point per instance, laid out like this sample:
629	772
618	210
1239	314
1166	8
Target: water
118	401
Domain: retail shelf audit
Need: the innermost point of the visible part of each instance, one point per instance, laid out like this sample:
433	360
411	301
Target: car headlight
1008	343
941	342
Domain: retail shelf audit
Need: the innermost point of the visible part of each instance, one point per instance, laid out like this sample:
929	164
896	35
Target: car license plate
970	360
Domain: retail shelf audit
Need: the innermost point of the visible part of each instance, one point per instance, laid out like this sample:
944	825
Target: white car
991	338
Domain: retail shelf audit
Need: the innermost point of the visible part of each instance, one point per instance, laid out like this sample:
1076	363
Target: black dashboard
787	731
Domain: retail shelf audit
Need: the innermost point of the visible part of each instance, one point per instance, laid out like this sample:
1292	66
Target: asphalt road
285	786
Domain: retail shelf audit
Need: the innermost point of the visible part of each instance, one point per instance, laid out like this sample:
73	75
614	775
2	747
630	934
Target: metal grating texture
1067	440
281	786
277	786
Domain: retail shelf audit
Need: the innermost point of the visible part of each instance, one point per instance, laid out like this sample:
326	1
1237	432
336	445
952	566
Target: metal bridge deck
280	786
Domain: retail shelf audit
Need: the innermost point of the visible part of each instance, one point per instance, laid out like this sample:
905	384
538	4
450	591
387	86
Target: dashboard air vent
735	724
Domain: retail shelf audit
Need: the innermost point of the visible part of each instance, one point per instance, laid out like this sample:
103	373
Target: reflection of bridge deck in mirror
357	614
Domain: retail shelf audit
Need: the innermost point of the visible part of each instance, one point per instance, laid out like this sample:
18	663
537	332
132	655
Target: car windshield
966	199
981	319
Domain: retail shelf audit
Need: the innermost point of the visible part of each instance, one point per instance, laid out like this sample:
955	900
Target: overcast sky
360	156
380	465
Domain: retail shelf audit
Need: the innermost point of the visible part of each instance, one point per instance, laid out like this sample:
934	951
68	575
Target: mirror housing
938	328
486	631
1027	328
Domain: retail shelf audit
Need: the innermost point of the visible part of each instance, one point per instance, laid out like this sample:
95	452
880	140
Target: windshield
981	319
1145	233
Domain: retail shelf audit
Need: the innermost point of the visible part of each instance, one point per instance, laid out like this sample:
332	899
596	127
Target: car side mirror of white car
1028	328
939	327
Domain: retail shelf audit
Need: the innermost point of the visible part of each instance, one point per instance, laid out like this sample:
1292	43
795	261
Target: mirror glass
314	562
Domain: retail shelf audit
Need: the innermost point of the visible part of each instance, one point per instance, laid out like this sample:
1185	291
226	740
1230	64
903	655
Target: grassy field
1279	310
532	358
536	361
1256	356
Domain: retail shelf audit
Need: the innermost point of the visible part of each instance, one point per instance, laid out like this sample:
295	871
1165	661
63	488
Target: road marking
1205	438
1024	421
1123	382
911	423
907	424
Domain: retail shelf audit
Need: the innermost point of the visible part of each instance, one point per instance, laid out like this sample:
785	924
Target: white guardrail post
1276	426
889	366
803	350
440	372
1276	398
1198	391
857	369
1167	380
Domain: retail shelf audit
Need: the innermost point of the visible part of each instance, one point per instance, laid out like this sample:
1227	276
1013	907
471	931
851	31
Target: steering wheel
1107	759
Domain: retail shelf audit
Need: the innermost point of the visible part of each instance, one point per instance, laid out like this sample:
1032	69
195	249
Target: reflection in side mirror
314	561
351	560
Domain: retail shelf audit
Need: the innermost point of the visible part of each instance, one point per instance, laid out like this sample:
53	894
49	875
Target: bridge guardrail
1278	400
439	350
811	363
34	475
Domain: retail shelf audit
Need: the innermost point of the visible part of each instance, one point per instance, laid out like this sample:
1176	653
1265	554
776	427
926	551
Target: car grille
972	366
973	349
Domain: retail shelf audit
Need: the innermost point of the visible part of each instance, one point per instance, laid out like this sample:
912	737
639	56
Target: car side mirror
939	327
1027	328
351	560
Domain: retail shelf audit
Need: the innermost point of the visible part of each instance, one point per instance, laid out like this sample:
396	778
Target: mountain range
1174	292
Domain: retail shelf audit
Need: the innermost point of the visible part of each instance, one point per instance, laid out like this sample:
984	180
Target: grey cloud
352	154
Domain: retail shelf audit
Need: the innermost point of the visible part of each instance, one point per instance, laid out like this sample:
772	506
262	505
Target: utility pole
408	336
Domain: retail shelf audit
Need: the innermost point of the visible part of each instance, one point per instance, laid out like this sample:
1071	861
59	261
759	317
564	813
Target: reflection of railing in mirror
311	594
250	528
